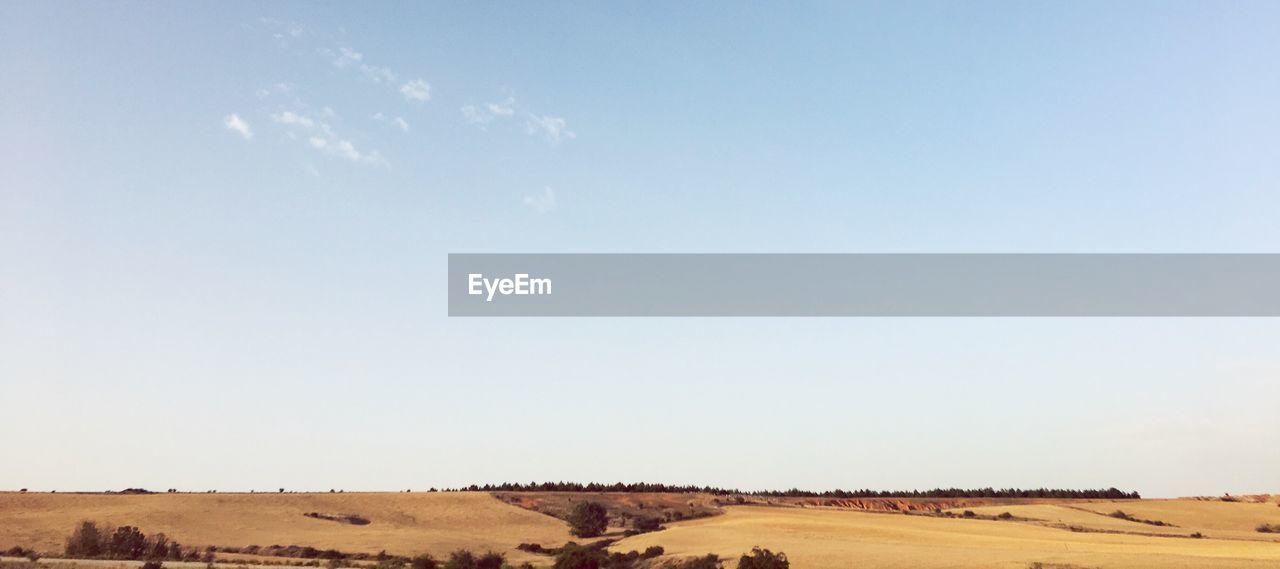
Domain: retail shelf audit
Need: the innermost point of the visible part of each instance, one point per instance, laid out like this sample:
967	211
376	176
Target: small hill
400	523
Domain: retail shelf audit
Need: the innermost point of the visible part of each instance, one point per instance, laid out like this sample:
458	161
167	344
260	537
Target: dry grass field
821	537
436	523
835	539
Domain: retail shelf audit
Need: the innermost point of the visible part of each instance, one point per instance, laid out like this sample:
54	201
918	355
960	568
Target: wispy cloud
482	115
397	122
554	129
542	203
234	123
294	119
322	137
347	58
342	148
416	90
280	88
283	31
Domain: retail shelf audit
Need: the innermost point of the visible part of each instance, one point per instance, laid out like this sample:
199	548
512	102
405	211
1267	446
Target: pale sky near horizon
224	229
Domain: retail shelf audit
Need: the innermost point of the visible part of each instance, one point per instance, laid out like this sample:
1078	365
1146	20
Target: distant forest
1109	493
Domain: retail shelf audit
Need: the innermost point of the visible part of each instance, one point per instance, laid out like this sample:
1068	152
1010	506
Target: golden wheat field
402	523
835	539
813	537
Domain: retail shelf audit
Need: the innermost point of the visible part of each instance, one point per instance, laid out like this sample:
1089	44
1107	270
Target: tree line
88	541
646	487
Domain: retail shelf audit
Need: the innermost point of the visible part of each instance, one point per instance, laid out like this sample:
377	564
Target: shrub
534	548
153	565
1268	528
1196	535
646	523
588	519
574	556
1005	516
461	559
85	541
969	514
764	559
424	561
491	560
709	561
653	551
391	563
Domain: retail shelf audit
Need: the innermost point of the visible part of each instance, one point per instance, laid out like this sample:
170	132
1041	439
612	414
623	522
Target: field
867	534
436	523
835	539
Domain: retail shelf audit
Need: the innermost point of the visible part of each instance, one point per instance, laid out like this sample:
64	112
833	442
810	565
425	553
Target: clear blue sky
224	228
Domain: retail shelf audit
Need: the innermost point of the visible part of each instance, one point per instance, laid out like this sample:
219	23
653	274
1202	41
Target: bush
574	556
764	559
153	565
588	519
710	561
461	559
646	523
534	548
424	561
491	560
1005	516
969	514
85	541
653	551
1268	528
391	563
1196	535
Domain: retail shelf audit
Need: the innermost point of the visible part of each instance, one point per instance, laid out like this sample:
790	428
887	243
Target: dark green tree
491	560
764	559
127	542
588	519
461	559
574	556
85	541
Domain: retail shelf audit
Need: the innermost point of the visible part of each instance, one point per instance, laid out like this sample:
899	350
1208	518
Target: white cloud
378	74
554	129
416	90
397	122
238	125
280	88
294	119
323	138
342	148
542	203
482	115
346	57
282	30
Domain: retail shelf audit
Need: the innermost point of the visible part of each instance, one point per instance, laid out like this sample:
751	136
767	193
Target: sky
224	229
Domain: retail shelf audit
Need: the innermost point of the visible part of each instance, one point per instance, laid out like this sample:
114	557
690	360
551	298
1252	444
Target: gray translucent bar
866	285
